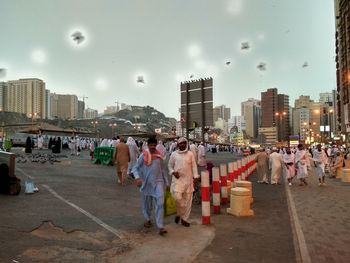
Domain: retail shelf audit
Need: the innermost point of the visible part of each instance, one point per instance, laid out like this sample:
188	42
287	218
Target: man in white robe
40	142
289	162
161	149
301	164
134	154
202	161
321	159
194	150
275	164
183	168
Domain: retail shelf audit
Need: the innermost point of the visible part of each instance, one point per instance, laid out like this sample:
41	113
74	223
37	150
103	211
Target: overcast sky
166	42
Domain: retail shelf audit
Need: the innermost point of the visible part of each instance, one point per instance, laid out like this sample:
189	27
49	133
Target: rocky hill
145	119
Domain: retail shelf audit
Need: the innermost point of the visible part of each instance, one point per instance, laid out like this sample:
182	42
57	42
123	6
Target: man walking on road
262	160
183	168
202	161
321	160
122	160
301	164
275	164
289	161
150	175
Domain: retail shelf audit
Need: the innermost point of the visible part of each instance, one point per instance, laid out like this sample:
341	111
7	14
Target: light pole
113	126
330	121
32	115
94	123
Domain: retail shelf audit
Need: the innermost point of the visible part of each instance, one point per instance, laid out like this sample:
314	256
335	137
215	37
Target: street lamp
330	121
113	126
32	115
94	123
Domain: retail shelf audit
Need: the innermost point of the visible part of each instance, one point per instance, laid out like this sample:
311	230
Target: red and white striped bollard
223	177
205	188
216	190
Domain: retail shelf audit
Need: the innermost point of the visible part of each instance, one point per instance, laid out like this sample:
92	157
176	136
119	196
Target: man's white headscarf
183	139
131	141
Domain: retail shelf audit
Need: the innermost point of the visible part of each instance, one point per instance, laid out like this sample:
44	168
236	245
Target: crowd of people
297	162
145	162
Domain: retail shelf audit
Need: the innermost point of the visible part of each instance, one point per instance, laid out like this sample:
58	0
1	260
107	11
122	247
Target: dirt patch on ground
79	246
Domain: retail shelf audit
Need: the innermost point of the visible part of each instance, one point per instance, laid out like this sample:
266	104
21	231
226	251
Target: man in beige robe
122	158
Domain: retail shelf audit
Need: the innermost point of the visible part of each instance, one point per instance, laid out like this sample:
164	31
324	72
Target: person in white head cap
301	164
202	161
321	160
183	168
275	164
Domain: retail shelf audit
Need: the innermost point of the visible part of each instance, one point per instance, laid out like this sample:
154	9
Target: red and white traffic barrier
244	168
239	170
205	188
249	165
223	177
235	172
216	190
231	173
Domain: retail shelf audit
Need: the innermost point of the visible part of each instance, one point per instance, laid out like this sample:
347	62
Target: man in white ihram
321	160
183	168
275	164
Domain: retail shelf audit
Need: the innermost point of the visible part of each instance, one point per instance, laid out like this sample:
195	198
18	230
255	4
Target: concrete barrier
339	173
240	202
346	176
247	185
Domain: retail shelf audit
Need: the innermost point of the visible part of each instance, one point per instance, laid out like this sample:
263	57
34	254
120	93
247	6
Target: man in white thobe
194	150
321	159
134	154
289	162
183	168
202	161
40	142
275	164
301	164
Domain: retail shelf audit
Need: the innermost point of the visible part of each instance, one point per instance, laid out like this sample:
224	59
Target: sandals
147	224
162	231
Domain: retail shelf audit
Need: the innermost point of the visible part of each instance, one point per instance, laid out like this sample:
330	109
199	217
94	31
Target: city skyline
133	53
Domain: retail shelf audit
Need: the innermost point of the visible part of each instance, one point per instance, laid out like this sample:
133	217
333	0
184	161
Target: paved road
81	215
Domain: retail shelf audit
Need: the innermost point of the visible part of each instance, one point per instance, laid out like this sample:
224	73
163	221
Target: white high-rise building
90	113
110	110
236	124
326	98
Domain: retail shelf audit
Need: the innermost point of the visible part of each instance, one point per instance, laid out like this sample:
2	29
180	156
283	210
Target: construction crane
83	97
117	102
